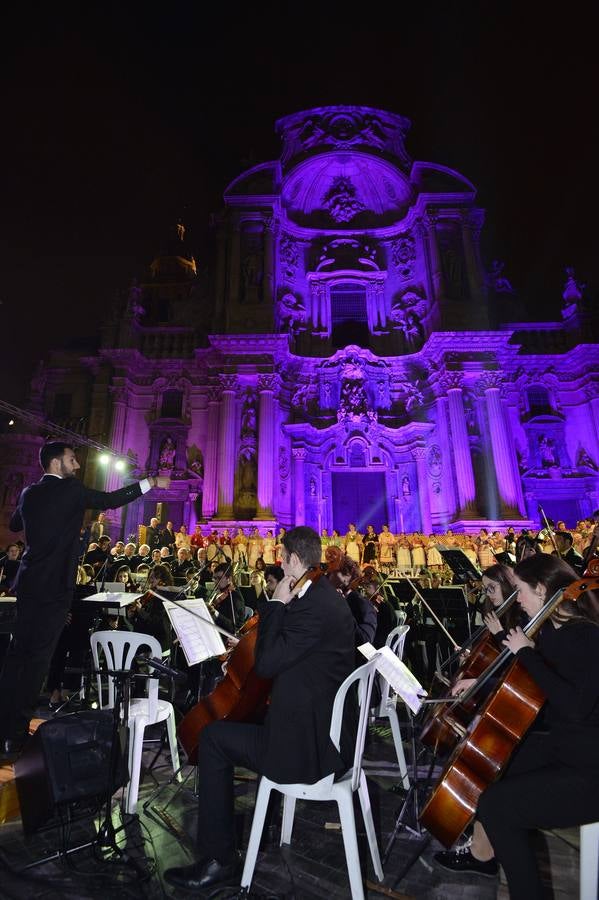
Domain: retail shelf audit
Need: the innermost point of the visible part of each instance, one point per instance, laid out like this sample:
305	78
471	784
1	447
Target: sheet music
397	674
199	640
107	598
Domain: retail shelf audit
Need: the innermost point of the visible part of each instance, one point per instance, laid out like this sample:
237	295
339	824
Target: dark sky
120	118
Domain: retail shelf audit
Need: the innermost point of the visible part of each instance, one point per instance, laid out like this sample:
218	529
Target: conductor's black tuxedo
51	513
307	648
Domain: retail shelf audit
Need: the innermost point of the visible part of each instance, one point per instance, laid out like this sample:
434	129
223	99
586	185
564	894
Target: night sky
118	121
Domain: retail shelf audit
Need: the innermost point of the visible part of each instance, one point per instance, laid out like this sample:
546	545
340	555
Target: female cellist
553	780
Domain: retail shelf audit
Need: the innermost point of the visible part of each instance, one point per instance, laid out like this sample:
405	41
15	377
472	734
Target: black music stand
463	568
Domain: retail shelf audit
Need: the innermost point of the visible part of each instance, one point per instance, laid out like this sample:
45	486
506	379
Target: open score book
397	674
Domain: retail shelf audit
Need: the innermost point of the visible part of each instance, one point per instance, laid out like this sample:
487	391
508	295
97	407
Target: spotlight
104	459
11	421
119	465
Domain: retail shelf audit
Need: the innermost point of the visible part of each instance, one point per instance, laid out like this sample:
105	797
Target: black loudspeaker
66	761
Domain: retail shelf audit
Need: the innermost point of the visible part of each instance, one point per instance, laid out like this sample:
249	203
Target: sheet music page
199	640
397	674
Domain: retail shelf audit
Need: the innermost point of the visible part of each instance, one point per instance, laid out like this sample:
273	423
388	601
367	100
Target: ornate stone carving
166	454
418	452
354	405
284	464
411	394
228	382
289	256
573	293
343	127
452	380
248	416
267	382
291	312
299	453
341	200
214	392
490	380
434	461
403	254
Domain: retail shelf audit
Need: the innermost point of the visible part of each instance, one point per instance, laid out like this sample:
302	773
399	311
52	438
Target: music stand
462	567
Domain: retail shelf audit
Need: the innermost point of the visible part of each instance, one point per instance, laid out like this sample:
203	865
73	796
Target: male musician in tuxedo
306	646
46	579
167	537
153	534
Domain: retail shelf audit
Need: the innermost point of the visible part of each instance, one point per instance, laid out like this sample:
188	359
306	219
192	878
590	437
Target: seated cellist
305	645
553	778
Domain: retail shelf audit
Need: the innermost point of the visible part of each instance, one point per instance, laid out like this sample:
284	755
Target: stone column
434	256
503	451
266	460
209	498
226	447
299	484
461	446
419	454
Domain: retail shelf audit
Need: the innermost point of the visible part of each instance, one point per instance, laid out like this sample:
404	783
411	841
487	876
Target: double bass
490	739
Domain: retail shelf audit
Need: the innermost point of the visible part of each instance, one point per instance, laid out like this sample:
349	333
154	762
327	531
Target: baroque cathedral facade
342	363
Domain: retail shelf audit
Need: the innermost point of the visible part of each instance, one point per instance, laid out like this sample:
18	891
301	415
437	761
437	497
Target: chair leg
401	759
350	842
288	816
589	861
172	742
369	824
251	855
136	739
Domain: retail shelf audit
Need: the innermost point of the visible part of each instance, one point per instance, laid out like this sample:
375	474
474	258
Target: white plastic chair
387	708
328	789
589	861
119	649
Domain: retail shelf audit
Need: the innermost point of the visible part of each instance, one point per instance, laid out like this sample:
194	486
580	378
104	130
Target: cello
241	696
489	741
444	726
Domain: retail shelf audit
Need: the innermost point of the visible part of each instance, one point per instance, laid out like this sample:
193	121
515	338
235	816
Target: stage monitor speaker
66	761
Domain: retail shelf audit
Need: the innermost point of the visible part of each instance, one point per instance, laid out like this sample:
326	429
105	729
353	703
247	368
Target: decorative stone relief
341	200
289	256
403	254
434	461
284	463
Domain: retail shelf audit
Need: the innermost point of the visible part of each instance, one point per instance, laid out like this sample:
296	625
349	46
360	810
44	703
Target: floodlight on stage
104	459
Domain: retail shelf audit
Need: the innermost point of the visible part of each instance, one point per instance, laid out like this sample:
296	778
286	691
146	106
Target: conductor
50	512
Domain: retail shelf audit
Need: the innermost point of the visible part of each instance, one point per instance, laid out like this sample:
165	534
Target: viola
240	697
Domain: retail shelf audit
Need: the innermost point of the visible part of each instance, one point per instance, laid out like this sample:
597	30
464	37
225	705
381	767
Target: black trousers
39	625
223	745
538	791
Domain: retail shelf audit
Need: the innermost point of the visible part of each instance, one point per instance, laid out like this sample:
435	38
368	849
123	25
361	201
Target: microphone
175	674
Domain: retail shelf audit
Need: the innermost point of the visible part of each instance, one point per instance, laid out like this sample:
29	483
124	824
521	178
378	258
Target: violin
310	575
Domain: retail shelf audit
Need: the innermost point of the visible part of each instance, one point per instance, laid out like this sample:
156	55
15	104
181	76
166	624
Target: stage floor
312	867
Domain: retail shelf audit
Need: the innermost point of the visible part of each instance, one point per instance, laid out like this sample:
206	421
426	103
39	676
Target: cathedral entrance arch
359	497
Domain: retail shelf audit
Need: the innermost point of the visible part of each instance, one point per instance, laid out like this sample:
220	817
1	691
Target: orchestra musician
46	579
347	578
553	779
227	605
305	645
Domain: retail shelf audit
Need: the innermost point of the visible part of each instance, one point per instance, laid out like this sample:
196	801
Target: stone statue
248	417
413	333
547	451
573	289
166	459
496	280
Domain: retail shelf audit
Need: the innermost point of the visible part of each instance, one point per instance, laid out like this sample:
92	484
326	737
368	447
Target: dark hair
53	450
565	536
276	572
260	564
554	573
120	571
500	575
305	543
103	539
160	575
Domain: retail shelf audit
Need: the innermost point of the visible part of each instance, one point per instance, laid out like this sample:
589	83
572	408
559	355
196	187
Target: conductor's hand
492	623
516	640
282	591
161	481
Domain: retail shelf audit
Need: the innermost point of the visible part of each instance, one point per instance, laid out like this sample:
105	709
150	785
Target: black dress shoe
462	860
205	874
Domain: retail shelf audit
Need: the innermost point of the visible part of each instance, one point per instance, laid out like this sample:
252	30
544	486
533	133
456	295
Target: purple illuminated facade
342	362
